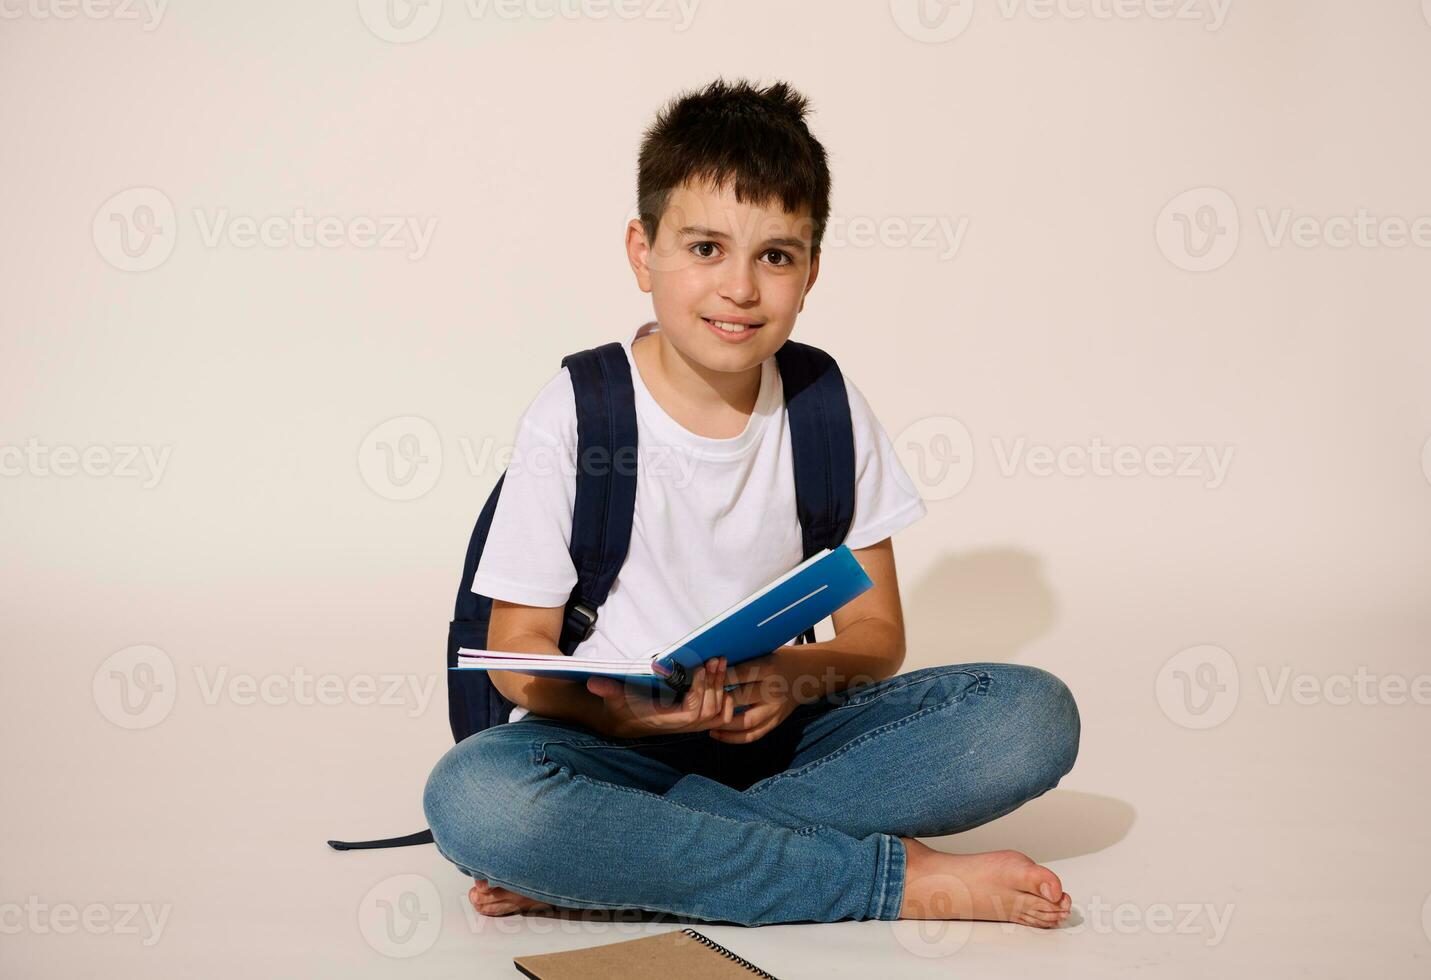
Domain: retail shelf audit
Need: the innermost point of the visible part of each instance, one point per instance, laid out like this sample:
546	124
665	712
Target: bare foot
997	886
489	899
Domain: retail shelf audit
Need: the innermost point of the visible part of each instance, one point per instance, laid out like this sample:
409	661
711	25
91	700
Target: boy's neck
714	404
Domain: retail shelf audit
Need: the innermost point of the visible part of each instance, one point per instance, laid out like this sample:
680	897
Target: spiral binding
710	943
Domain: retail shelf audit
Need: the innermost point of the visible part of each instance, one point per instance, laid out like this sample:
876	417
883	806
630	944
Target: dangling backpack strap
823	446
605	504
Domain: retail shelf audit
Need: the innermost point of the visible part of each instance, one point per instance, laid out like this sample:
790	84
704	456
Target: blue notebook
764	621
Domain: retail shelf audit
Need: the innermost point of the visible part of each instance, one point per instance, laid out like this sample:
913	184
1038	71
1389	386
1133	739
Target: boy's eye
769	252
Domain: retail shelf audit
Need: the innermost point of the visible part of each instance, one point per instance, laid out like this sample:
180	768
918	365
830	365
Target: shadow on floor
1059	824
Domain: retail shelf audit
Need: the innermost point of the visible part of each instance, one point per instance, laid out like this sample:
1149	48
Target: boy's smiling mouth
737	330
733	324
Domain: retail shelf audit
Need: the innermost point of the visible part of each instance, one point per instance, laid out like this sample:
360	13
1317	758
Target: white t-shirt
715	518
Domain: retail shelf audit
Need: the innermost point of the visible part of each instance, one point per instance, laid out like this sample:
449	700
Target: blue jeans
802	825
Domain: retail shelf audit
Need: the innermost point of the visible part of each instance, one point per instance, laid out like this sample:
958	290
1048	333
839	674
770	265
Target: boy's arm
536	629
869	636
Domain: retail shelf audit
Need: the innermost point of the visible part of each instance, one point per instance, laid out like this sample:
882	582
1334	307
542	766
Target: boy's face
716	257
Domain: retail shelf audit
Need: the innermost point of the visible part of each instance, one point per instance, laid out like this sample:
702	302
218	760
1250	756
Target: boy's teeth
728	327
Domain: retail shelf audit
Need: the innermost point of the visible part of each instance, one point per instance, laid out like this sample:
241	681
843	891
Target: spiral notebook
686	954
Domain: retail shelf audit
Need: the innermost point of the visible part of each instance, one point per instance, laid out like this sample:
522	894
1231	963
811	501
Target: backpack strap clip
580	622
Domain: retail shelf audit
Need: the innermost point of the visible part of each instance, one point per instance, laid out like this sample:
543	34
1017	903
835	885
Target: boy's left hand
761	686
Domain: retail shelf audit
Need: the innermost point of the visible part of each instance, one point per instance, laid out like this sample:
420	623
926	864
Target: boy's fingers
604	687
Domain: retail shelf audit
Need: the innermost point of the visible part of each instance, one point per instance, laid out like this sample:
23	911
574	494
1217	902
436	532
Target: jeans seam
914	677
556	899
539	746
981	687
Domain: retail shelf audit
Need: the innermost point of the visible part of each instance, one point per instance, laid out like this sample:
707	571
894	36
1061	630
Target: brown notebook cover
686	954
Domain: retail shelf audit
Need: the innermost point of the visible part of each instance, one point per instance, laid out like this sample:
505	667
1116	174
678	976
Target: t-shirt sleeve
526	558
886	500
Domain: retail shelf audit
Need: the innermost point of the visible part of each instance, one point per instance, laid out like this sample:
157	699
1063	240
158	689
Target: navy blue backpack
822	444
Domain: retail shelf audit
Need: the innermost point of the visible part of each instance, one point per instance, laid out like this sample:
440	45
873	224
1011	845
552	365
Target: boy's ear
638	253
810	283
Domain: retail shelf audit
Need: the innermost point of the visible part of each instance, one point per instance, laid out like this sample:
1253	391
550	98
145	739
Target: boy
791	787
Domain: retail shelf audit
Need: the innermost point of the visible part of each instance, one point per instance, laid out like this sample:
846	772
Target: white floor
1289	840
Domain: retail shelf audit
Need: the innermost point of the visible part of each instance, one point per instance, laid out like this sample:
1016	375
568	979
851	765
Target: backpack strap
605	504
822	444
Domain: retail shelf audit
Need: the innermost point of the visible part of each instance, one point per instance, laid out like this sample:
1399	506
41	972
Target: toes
1045	883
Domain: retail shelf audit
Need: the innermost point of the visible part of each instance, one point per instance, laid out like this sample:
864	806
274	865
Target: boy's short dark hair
735	131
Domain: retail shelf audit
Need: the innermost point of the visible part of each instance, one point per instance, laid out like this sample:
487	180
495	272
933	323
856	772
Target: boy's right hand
636	714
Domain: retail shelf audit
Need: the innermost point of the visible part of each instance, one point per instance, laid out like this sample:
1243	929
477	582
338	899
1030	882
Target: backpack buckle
581	621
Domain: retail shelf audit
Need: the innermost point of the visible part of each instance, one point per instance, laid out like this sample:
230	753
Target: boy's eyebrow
705	232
